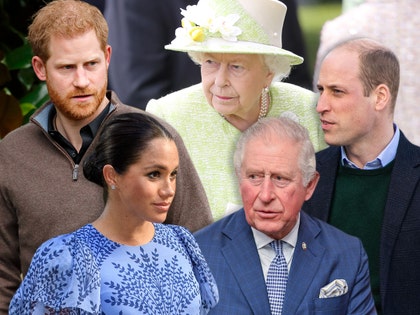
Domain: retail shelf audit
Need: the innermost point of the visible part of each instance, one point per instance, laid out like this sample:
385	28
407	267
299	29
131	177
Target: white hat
233	26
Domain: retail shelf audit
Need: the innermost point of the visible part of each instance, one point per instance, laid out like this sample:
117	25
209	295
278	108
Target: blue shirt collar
383	159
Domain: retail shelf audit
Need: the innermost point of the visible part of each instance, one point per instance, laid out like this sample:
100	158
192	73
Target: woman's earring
113	187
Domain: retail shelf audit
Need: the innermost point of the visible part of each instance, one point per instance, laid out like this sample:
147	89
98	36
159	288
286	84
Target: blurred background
312	15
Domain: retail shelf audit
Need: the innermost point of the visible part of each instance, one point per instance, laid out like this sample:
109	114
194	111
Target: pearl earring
265	102
113	187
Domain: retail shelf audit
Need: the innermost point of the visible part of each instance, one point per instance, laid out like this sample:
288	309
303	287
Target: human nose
322	104
81	79
266	190
222	78
168	188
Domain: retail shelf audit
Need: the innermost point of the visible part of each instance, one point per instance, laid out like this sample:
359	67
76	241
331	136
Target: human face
271	185
76	75
347	115
146	190
232	83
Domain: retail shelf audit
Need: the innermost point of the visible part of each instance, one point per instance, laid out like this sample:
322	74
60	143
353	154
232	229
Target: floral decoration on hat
233	27
200	23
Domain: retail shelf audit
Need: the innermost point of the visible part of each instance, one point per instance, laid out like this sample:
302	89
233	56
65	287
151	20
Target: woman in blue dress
126	261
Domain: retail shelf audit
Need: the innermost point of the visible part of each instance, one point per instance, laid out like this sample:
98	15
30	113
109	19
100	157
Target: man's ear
108	54
39	68
310	188
383	97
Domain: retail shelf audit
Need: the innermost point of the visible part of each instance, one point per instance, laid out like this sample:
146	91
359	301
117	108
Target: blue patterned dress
85	273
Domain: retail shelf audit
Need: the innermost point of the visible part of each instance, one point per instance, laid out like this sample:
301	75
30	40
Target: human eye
255	178
320	89
280	181
153	174
337	91
237	68
91	64
209	63
174	174
66	67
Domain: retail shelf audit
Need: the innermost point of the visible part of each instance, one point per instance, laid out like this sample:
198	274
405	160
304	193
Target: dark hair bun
91	170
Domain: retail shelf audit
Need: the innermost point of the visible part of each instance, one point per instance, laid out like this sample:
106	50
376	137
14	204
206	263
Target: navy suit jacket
400	236
141	68
229	248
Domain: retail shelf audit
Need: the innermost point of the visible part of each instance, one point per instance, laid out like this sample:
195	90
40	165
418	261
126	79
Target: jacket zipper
75	172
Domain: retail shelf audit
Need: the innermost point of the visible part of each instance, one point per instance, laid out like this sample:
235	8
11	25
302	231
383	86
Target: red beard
82	110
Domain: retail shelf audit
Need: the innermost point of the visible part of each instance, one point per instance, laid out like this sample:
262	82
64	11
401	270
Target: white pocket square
335	288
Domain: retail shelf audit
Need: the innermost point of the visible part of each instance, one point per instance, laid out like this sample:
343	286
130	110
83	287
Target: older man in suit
370	174
325	271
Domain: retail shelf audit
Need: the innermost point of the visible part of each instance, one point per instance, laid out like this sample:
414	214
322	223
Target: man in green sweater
369	183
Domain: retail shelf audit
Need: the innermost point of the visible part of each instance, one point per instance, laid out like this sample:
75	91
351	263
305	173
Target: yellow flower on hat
197	34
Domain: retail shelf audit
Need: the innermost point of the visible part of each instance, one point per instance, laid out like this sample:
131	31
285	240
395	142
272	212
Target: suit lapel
320	203
242	257
305	265
404	179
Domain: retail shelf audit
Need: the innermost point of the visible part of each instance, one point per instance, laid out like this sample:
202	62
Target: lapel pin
304	246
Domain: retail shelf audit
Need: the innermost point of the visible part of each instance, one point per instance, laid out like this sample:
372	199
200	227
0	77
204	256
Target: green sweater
358	207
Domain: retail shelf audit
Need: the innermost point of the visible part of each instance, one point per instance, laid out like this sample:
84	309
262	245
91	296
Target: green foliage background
20	91
312	18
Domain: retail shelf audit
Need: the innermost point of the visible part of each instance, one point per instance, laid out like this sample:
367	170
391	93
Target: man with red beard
42	191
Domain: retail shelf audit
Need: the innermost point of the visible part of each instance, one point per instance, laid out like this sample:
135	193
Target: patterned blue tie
277	279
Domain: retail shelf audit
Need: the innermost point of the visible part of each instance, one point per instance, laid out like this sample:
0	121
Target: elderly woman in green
237	44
